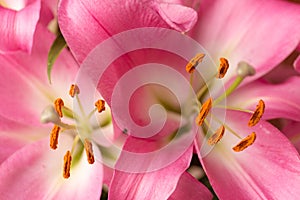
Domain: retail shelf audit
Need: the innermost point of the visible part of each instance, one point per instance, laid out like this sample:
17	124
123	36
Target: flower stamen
246	142
192	64
217	136
224	65
54	137
100	105
74	89
204	111
258	113
89	151
67	165
58	104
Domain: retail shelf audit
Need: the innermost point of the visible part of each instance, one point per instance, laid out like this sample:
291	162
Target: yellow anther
58	104
54	137
224	65
217	136
89	151
67	165
100	105
258	113
74	89
204	112
246	142
192	64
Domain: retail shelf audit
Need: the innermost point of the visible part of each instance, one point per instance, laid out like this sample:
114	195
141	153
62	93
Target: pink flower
29	168
241	32
19	20
245	32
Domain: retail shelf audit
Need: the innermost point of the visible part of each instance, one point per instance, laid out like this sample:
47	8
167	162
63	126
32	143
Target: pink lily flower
29	168
159	184
234	30
19	20
239	34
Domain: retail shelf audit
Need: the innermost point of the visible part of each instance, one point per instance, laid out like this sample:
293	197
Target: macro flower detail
149	99
43	168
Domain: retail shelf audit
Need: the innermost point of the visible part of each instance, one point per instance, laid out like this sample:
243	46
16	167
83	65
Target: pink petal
286	68
14	136
280	99
17	27
25	90
292	131
259	171
111	17
177	16
245	31
41	178
297	64
157	184
190	187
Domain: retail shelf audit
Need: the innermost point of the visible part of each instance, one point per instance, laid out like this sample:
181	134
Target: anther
74	89
244	69
224	65
258	113
54	137
58	104
192	64
100	105
246	142
204	112
217	136
89	151
67	165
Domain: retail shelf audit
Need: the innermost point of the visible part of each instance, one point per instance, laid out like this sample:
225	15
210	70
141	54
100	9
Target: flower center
214	136
54	114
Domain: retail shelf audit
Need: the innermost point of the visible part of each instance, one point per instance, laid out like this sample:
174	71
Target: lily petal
280	99
191	188
35	172
244	31
17	27
177	16
297	64
25	90
158	184
111	17
14	135
292	131
260	169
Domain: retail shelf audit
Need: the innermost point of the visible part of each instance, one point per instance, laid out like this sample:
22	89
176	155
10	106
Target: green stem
234	85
